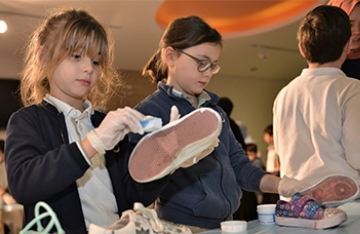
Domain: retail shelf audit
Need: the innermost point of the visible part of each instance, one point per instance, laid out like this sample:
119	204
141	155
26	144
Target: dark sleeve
127	191
39	163
247	175
237	133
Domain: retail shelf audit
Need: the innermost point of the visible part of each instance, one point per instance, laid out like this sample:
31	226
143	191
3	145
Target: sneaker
334	190
161	152
303	211
140	220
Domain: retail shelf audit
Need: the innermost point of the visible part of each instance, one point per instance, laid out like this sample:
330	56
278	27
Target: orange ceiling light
237	16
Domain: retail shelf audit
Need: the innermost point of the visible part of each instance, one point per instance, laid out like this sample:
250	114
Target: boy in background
272	163
252	153
316	116
272	159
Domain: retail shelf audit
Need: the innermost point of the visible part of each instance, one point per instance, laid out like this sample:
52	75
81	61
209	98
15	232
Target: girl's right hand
114	127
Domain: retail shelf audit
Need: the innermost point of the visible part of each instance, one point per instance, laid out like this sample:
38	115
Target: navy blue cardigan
43	166
207	193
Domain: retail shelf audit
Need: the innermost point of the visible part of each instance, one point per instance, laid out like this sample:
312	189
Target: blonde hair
62	34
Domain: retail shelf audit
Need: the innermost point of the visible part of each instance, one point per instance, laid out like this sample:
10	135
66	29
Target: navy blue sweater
43	166
206	193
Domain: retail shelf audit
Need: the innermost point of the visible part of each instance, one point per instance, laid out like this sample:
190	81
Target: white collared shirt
271	159
95	189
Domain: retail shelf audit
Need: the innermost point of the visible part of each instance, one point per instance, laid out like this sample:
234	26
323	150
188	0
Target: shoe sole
314	224
164	150
333	190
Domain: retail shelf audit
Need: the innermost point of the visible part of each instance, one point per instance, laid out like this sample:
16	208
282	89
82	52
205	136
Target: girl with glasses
207	193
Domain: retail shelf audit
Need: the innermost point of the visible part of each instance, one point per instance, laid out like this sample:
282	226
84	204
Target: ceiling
268	52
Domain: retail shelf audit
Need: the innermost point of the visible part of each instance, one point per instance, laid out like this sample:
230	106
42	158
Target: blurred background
259	57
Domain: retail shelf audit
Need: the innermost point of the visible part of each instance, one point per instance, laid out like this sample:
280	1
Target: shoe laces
151	215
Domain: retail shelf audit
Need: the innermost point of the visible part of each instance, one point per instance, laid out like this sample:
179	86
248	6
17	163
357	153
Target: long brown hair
63	33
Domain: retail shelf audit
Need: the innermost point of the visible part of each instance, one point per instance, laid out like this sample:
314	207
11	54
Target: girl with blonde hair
59	149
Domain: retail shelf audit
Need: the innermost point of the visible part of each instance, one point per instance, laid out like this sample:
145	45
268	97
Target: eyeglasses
203	65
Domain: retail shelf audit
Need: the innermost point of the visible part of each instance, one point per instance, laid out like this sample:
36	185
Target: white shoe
161	152
140	221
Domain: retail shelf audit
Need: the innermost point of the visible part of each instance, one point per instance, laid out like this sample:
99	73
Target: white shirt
95	189
317	126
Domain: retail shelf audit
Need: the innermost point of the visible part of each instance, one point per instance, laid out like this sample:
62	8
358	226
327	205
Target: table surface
351	225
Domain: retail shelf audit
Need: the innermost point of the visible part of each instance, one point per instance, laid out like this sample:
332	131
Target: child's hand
114	128
289	186
174	114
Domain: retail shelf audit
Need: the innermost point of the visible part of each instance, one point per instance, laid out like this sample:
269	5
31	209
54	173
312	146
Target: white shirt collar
68	110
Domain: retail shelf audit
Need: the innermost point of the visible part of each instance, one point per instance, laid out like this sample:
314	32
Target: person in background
207	193
351	65
272	163
272	159
227	105
316	116
248	139
244	131
58	148
252	153
249	201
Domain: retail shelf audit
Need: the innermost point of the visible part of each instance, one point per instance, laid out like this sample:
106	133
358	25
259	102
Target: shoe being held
180	143
303	211
140	221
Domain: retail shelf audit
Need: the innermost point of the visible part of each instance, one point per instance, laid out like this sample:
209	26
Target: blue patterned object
300	206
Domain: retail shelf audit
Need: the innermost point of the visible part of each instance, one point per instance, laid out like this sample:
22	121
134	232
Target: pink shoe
333	190
160	152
